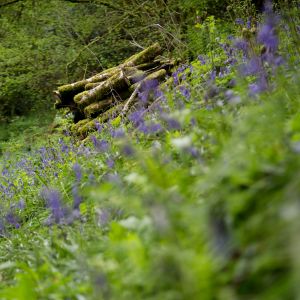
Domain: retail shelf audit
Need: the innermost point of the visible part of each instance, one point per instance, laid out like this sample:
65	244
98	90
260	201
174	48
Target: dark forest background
46	43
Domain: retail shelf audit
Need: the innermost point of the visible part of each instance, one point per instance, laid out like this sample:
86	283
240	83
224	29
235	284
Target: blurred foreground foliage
196	197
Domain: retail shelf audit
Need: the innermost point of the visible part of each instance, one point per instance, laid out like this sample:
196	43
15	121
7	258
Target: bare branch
109	5
8	3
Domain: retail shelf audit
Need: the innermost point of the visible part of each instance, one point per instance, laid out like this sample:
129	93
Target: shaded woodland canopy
44	44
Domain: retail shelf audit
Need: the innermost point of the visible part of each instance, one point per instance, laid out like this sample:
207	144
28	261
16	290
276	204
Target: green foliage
206	208
55	42
242	9
204	37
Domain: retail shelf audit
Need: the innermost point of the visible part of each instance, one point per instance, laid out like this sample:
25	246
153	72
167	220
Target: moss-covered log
96	108
112	92
91	86
115	83
144	56
158	75
68	91
89	125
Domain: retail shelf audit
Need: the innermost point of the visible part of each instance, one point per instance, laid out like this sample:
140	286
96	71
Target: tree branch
109	5
104	3
8	3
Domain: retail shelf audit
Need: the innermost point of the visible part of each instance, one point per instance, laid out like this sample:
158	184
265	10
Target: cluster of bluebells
256	57
10	217
260	53
255	54
59	213
30	174
208	76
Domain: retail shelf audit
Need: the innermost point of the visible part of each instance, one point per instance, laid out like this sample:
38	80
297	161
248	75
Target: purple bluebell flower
110	163
113	178
98	126
176	74
150	85
12	219
231	97
66	133
175	78
91	179
231	61
279	60
53	200
147	87
127	150
193	122
151	128
252	67
268	7
224	71
44	156
159	94
104	217
211	92
182	68
137	117
5	172
229	94
2	227
242	45
272	59
232	83
249	23
21	204
224	46
77	199
201	60
117	133
213	75
193	151
267	33
143	128
267	37
100	145
259	86
143	96
83	150
77	171
239	21
154	128
172	124
64	147
185	92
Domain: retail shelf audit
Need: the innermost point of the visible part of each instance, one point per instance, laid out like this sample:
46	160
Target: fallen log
96	108
114	91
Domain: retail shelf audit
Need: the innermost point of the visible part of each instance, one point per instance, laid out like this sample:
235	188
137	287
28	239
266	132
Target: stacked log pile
114	91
